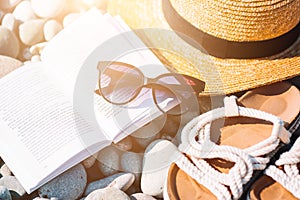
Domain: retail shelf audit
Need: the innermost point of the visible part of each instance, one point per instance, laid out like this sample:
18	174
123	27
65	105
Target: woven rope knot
290	177
196	143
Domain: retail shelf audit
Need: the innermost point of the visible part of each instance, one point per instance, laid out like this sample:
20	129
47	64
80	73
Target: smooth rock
141	196
10	22
4	193
90	161
9	45
125	144
157	158
5	171
48	8
51	28
109	160
132	162
68	19
108	194
8	4
35	58
40	198
11	183
24	12
26	55
150	132
37	48
8	64
68	186
31	32
101	4
120	181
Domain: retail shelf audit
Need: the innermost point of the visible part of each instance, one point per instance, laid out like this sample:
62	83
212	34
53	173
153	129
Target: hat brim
220	75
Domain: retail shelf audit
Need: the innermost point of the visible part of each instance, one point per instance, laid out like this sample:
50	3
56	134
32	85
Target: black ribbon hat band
222	48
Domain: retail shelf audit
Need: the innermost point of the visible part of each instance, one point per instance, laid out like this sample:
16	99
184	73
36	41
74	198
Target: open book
41	133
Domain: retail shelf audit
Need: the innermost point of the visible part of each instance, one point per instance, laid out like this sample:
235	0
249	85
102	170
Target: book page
39	127
67	60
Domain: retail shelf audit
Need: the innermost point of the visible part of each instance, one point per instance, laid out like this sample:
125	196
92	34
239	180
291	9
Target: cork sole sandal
280	99
219	158
281	181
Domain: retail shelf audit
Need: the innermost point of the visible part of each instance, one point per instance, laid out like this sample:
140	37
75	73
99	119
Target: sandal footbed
280	99
265	188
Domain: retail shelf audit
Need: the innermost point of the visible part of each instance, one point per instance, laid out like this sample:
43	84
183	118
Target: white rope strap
290	177
247	160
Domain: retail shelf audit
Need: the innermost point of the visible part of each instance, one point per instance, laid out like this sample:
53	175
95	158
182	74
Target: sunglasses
172	93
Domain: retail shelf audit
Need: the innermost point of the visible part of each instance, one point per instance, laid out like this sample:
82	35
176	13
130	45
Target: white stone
109	160
48	8
8	64
68	19
51	28
121	181
141	196
37	48
9	44
10	22
125	144
26	54
31	32
108	194
90	161
8	4
150	132
157	158
35	58
5	171
24	12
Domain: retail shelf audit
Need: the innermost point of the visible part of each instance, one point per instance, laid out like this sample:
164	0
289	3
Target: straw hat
231	45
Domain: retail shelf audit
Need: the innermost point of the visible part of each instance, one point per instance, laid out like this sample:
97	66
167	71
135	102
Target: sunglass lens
119	83
183	87
166	100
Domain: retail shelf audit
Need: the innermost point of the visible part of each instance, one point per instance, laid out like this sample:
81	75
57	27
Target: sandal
281	181
280	99
219	157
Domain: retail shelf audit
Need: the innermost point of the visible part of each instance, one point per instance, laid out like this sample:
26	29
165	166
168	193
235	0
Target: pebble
31	32
37	48
9	44
51	28
108	194
26	54
141	196
35	58
68	19
90	161
125	144
132	162
5	171
48	8
150	132
11	183
24	12
109	160
101	4
68	186
8	4
157	158
4	193
8	64
10	22
121	181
